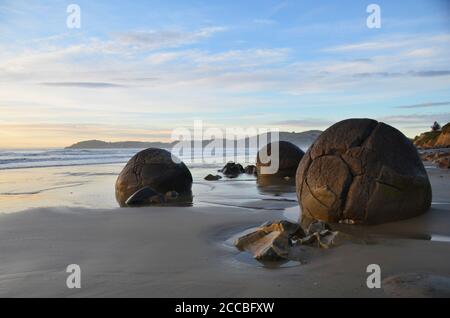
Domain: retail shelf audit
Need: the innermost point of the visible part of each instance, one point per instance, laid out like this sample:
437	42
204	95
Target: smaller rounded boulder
289	157
154	168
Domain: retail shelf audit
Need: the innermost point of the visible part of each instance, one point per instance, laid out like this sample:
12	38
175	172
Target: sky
136	70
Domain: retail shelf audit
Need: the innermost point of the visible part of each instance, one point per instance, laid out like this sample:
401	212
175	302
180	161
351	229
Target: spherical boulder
154	168
289	158
362	171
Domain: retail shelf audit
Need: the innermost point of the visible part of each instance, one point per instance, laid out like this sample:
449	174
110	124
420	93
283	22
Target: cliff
434	139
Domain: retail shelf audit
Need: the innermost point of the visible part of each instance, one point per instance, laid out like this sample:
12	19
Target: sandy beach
187	251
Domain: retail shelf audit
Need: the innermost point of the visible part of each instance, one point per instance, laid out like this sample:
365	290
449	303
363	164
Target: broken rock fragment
271	241
274	241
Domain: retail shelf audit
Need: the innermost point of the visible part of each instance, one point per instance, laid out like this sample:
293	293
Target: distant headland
301	139
99	144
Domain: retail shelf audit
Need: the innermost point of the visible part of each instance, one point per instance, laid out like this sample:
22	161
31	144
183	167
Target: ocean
86	178
16	159
38	158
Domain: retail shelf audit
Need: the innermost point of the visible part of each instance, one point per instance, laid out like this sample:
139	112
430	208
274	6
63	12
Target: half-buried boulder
362	171
144	196
155	169
289	156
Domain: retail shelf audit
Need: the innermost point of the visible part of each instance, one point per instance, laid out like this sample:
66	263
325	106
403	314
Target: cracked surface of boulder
364	171
289	158
153	168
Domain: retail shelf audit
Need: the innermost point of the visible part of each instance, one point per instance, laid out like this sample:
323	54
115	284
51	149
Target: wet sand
183	252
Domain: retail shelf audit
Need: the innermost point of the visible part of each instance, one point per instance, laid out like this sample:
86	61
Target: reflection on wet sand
275	186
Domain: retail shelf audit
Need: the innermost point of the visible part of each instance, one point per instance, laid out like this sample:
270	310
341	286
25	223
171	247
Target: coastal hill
437	138
302	139
99	144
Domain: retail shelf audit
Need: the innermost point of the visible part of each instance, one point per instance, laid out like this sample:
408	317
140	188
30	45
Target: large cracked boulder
289	156
362	171
153	168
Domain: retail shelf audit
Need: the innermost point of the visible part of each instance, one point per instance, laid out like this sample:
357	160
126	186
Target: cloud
397	69
226	60
421	52
364	46
414	124
246	57
431	73
159	39
165	57
83	84
152	65
415	119
138	79
424	105
309	122
244	70
425	73
393	42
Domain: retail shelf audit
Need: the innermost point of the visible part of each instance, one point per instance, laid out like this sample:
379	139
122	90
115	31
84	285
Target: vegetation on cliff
436	138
